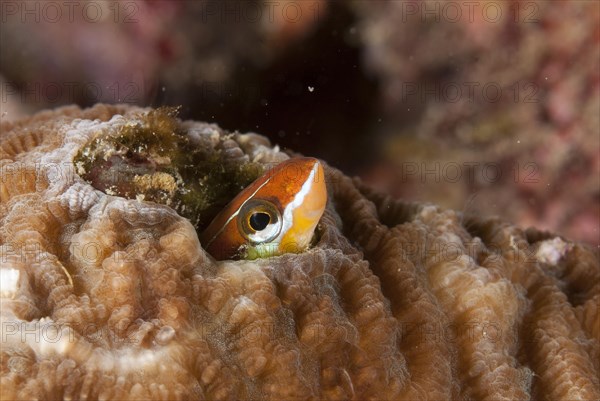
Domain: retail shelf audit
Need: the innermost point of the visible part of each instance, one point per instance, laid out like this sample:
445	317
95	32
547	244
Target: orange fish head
276	214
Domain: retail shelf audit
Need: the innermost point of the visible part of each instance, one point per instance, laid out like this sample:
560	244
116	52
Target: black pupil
259	221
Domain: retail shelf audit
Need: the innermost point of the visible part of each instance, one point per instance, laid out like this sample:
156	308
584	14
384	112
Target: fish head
276	214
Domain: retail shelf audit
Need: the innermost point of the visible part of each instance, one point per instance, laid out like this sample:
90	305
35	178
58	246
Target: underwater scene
299	200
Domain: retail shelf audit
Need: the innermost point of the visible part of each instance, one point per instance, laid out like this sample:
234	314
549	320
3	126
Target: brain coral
113	298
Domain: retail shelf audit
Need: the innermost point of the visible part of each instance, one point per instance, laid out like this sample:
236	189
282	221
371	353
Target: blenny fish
276	214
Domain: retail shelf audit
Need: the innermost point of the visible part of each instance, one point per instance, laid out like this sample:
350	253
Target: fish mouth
303	213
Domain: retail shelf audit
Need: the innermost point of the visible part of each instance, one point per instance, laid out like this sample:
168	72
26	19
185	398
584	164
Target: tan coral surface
111	298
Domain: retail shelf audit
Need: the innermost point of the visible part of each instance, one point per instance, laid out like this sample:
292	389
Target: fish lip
303	214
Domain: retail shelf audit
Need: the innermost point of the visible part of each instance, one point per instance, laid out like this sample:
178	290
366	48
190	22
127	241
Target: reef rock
107	293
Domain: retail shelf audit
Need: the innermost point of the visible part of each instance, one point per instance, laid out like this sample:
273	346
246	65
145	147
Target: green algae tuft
150	158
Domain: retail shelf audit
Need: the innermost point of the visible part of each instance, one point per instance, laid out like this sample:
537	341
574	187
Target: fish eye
259	221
